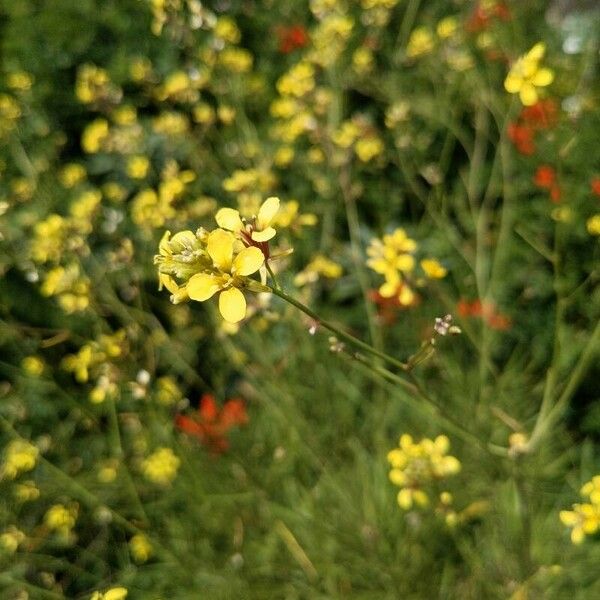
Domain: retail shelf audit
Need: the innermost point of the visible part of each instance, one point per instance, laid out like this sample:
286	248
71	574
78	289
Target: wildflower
227	30
522	137
19	80
486	311
525	76
72	174
33	365
204	113
94	136
291	38
226	114
447	27
417	465
228	273
61	518
168	392
319	266
140	548
584	520
541	115
433	269
595	185
363	60
161	466
258	229
10	539
421	42
212	424
116	593
593	225
298	81
545	178
26	491
367	148
20	456
107	472
137	167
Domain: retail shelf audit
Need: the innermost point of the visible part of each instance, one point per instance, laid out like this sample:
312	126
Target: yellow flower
116	593
584	520
19	80
26	491
593	225
319	266
137	167
526	75
368	148
421	41
19	457
592	490
10	539
140	548
33	365
447	27
94	136
227	275
258	229
61	518
433	269
72	174
161	466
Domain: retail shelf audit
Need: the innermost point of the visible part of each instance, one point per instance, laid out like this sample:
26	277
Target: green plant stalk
339	332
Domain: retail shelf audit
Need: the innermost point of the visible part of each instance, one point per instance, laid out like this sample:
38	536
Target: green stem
270	271
338	332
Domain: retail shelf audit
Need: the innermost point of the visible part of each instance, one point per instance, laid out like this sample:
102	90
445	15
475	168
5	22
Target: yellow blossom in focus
228	273
20	456
319	266
526	76
257	229
137	167
421	42
33	365
116	593
583	520
161	466
72	174
140	548
593	225
433	269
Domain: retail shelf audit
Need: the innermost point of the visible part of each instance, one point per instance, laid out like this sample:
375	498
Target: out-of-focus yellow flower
226	114
433	269
137	167
124	115
346	134
170	122
20	456
168	392
140	68
204	113
421	42
283	156
10	539
107	471
370	4
33	365
140	548
290	217
526	75
161	466
72	174
228	273
114	191
227	30
26	491
258	229
19	80
583	520
116	593
94	136
298	81
237	60
319	266
415	465
447	27
593	225
367	148
363	60
61	518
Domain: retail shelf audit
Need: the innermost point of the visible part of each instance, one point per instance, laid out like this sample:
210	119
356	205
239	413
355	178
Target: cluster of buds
584	519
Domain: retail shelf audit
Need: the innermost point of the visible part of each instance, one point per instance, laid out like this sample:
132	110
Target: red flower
291	38
541	115
595	185
482	16
212	424
486	311
522	137
545	177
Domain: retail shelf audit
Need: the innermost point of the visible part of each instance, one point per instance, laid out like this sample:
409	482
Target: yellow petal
388	289
232	305
405	499
168	282
202	286
116	593
543	77
163	246
229	218
398	477
219	246
528	94
577	535
263	236
248	261
405	262
536	53
568	517
513	83
267	211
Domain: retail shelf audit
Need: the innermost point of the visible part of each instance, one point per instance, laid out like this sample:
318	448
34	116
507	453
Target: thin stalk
339	332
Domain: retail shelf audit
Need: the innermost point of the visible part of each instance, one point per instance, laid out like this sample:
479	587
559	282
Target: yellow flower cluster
20	456
140	548
10	112
584	518
161	466
93	85
319	266
61	519
526	75
393	257
69	285
359	135
115	593
593	225
416	465
10	539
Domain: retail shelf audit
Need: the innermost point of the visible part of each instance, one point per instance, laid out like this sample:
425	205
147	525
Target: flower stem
338	332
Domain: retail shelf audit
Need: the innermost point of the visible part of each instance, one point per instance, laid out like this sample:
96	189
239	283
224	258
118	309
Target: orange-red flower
483	15
545	178
486	311
211	424
522	137
541	115
291	38
595	185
